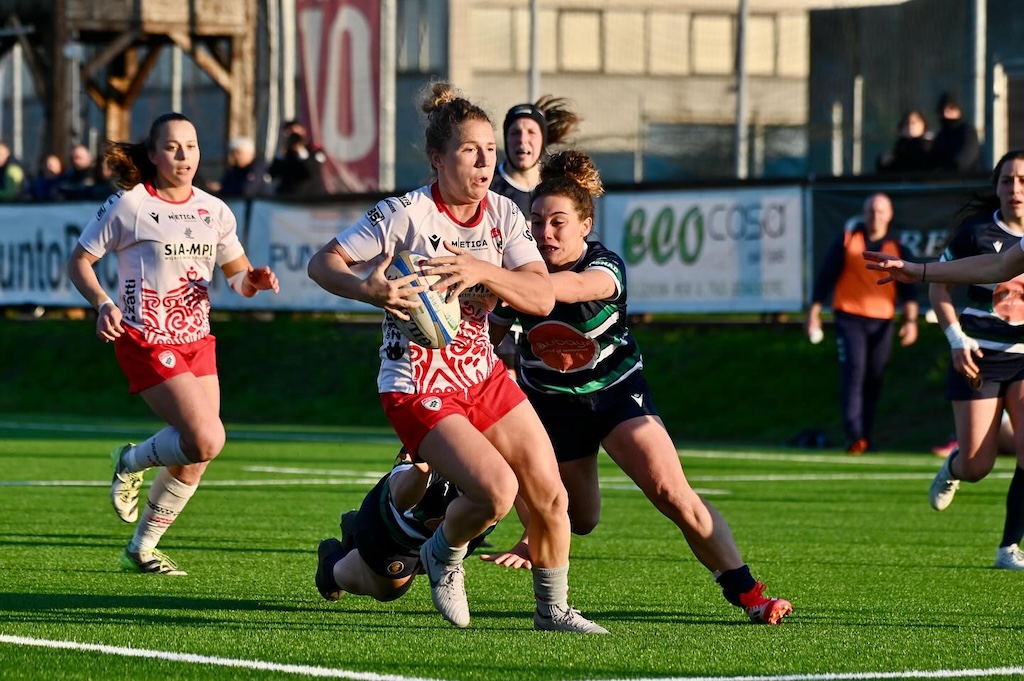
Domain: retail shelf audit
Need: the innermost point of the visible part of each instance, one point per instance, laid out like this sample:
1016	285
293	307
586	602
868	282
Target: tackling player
379	551
583	372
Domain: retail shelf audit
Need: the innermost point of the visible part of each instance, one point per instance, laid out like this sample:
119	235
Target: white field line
611	483
291	482
327	672
856	676
233	433
303	670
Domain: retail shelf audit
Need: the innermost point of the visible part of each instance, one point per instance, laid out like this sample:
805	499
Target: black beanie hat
525	111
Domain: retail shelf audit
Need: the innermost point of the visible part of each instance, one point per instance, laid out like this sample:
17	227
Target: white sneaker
559	618
1010	558
944	486
124	487
447	587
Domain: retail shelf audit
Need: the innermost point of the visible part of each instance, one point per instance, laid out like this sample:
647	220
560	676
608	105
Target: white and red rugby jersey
420	222
166	254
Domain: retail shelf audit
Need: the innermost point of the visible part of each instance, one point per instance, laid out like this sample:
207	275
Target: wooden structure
126	38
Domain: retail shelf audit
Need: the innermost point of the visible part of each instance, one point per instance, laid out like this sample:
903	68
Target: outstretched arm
989	268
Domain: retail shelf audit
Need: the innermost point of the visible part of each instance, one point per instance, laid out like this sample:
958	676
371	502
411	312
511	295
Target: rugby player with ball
455	407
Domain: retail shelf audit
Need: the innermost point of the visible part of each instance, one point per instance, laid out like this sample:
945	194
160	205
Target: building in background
655	80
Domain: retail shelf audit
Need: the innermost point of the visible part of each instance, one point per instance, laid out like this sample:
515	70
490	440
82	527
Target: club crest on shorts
432	403
395	567
167	359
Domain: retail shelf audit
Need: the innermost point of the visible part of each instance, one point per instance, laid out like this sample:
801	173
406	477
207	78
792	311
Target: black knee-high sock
1013	529
736	582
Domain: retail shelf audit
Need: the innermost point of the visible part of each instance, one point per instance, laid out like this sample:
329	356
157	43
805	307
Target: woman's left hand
263	279
516	557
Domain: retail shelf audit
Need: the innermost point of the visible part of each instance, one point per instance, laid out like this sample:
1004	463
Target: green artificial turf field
882	586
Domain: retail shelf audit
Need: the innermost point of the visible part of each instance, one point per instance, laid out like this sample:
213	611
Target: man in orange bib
864	313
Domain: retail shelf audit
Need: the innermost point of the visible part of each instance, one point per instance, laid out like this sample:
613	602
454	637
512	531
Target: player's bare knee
549	501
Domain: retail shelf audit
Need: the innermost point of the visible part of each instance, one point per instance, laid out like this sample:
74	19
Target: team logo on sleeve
497	240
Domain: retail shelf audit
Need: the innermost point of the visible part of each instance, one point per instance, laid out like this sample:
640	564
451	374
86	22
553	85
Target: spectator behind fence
104	183
246	175
956	148
78	181
864	313
12	175
297	170
45	186
912	151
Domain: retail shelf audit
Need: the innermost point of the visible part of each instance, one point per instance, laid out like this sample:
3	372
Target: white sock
551	585
444	551
167	497
161	450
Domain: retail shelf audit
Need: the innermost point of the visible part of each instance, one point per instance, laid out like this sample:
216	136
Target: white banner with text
730	250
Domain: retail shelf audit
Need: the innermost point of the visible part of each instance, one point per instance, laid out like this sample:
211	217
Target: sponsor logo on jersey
101	211
432	403
167	359
638	398
395	567
434	240
391	205
155	216
182	217
204	215
130	291
183	251
527	232
561	347
499	242
998	246
471	244
375	215
405	200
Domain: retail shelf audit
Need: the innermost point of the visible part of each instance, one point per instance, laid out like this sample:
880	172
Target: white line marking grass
857	676
303	670
327	672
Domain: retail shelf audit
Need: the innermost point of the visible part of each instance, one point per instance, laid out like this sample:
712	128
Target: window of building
624	43
759	57
669	40
714	45
579	41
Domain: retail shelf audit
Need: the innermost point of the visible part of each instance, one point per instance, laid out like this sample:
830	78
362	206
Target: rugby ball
435	323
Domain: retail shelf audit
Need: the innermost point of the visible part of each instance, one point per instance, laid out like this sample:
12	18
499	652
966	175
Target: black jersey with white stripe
412	526
579	348
994	313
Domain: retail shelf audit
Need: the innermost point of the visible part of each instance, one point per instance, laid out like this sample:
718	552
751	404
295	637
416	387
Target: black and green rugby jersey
579	348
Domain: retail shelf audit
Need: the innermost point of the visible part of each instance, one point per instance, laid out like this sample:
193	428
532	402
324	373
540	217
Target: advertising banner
37	240
736	250
285	236
339	48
